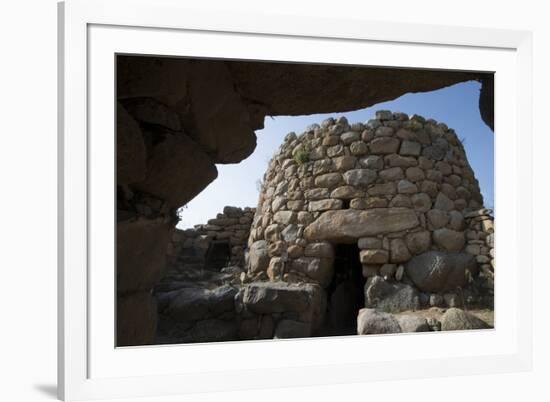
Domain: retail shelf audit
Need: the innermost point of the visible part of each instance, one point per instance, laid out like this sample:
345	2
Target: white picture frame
92	32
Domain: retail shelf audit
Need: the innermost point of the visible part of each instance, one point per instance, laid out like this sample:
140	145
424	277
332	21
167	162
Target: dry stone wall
399	187
229	230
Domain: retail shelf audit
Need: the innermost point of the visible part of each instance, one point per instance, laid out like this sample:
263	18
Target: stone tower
394	198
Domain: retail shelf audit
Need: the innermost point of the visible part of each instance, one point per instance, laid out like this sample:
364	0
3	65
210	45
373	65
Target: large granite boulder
456	319
278	297
371	321
436	271
193	304
413	323
172	168
390	296
258	257
350	224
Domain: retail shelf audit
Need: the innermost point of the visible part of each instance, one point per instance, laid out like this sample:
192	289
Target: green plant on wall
301	157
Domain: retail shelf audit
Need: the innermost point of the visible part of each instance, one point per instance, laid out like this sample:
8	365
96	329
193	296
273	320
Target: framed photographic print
318	193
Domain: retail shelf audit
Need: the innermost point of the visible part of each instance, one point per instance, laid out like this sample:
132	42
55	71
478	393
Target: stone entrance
218	255
345	295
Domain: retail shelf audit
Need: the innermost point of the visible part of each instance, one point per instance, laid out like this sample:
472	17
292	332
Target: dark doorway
345	295
217	255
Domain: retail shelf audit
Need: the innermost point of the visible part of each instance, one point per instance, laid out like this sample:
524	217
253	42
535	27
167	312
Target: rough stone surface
353	224
456	319
435	271
166	157
278	297
390	296
258	258
449	240
131	152
371	321
413	323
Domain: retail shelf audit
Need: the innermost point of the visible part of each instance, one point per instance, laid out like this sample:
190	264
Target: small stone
371	321
372	162
275	269
456	319
305	218
344	163
315	154
401	200
482	259
367	135
390	174
382	189
383	132
443	203
336	150
449	240
276	249
297	205
399	272
449	191
410	148
330	140
456	221
418	242
324	205
437	218
358	148
444	168
384	115
346	192
285	217
360	177
429	187
371	243
384	145
421	202
406	187
278	203
415	174
291	233
295	251
329	180
349	137
374	256
400	161
317	194
399	251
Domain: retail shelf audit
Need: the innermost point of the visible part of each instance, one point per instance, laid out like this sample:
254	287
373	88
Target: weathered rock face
371	321
390	296
435	271
397	186
456	319
351	224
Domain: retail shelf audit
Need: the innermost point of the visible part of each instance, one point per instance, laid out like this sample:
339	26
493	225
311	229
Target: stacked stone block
480	243
189	246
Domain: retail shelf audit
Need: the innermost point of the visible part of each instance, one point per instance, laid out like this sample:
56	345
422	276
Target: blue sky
456	106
